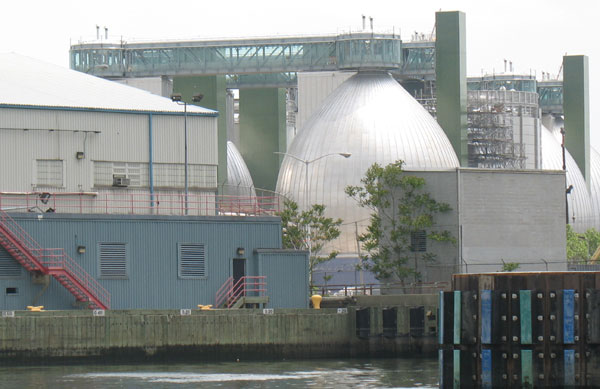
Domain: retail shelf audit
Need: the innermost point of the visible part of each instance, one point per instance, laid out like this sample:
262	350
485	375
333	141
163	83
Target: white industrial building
93	144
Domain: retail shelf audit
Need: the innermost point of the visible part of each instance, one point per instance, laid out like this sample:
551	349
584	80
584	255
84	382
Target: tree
403	214
581	247
510	266
310	228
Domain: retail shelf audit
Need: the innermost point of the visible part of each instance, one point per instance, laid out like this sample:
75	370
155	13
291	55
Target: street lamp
307	162
176	97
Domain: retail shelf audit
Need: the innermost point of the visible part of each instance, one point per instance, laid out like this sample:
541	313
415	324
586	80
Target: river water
328	373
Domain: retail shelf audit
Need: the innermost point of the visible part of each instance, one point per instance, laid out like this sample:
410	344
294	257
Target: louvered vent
9	268
418	241
192	260
113	259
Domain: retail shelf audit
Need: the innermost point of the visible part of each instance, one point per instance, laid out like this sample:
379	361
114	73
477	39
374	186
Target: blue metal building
156	262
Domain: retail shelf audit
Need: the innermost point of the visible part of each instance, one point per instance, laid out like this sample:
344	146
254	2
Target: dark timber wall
521	330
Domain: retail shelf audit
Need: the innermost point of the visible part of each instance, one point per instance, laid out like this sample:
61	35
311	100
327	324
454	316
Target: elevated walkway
276	60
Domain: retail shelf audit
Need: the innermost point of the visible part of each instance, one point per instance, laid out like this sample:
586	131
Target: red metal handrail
223	292
11	227
243	286
58	259
229	292
140	203
53	260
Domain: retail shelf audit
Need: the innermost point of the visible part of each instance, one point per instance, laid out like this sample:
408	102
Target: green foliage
308	228
581	247
400	208
592	236
510	266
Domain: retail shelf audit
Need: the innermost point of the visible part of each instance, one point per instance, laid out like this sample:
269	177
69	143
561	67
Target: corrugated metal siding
169	139
9	268
287	277
57	134
152	280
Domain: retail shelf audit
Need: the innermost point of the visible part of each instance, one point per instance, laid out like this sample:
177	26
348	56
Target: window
113	260
9	268
136	173
49	173
172	175
192	260
418	241
12	290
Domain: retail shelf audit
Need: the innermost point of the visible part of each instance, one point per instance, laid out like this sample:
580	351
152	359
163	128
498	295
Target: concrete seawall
33	337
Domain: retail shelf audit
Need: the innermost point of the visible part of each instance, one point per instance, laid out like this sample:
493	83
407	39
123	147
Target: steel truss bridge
267	62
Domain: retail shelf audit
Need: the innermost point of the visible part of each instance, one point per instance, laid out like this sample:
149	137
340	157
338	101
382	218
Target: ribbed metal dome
239	180
580	204
372	117
595	186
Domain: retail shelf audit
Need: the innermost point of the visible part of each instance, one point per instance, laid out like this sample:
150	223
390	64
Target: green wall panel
577	110
451	79
213	88
262	132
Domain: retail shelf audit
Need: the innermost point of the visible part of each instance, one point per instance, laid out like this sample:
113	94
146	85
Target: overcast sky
534	35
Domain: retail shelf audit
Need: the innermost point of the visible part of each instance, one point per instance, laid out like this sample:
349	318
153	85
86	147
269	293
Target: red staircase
231	292
55	262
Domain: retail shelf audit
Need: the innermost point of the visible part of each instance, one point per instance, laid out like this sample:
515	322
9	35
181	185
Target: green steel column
262	132
577	111
451	79
213	88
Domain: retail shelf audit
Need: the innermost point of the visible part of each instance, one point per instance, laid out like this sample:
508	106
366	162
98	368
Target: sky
534	35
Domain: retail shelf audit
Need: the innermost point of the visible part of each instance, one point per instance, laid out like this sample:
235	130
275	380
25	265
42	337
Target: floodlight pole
185	152
176	97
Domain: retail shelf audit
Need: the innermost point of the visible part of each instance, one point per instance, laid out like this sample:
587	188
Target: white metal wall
27	135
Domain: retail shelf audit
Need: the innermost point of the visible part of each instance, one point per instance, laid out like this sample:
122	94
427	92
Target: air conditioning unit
120	180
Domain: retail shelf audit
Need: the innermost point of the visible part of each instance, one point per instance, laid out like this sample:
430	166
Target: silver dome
372	117
595	186
580	204
239	180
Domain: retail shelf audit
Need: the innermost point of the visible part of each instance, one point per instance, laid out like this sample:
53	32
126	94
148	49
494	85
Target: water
357	373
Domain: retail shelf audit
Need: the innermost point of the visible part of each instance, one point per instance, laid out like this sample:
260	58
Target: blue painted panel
457	316
569	316
569	360
527	368
441	321
441	367
486	316
289	290
525	312
456	371
486	368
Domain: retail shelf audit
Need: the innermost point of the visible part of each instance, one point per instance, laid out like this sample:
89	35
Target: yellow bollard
204	307
316	301
39	308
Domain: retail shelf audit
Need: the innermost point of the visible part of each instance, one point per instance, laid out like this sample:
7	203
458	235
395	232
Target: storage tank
239	180
580	204
374	119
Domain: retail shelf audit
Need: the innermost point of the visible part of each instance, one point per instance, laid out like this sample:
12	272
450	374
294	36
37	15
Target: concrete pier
138	335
